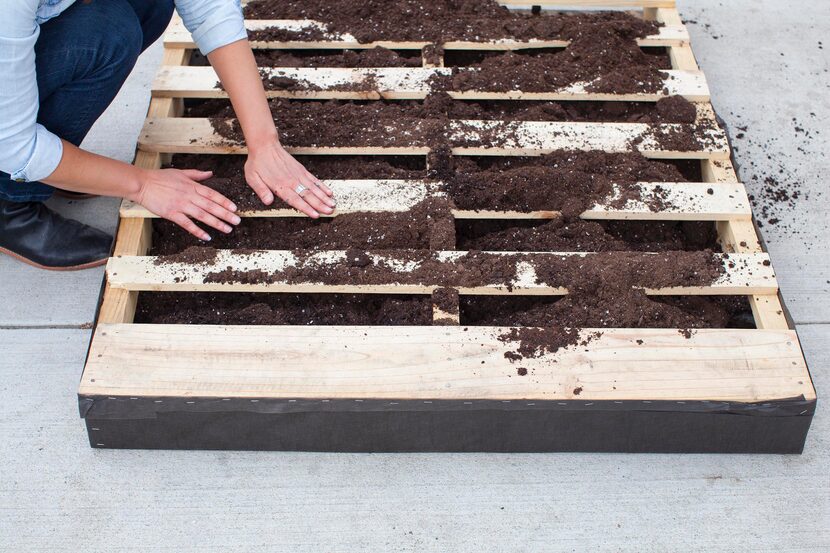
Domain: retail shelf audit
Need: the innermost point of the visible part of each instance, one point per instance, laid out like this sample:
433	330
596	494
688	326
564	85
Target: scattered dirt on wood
536	342
605	275
192	255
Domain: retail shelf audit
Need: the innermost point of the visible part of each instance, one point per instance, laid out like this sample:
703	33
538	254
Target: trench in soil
409	310
412	230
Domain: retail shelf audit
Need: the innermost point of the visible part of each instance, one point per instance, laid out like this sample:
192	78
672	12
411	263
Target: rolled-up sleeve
213	23
28	151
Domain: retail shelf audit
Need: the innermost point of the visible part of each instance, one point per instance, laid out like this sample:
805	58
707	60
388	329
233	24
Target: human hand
270	170
177	196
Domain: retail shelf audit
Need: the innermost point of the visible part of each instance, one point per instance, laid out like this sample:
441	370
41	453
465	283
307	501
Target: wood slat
684	201
134	236
744	274
404	83
189	362
741	236
196	135
179	37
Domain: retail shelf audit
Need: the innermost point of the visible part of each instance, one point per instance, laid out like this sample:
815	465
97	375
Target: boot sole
19	257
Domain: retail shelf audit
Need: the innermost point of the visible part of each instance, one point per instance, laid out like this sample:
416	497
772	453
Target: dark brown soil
541	319
283	309
584	236
672	109
565	181
658	312
446	299
609	64
413	229
193	255
438	21
372	57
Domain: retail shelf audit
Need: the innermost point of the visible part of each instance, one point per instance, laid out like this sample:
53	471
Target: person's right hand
177	196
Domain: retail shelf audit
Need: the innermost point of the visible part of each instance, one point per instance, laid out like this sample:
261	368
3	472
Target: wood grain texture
740	236
405	83
439	363
196	135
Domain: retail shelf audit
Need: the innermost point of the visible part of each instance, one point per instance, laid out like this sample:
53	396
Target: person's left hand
270	170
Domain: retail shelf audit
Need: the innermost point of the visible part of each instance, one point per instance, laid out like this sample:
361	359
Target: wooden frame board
405	83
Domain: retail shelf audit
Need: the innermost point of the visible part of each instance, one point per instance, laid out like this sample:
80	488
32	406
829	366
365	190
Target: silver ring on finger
300	189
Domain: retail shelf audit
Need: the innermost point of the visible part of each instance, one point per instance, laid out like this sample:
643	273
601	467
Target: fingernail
315	214
228	230
206	238
233	207
269	199
236	220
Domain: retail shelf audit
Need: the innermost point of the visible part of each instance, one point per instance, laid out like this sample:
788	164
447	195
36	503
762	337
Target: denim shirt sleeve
28	152
213	23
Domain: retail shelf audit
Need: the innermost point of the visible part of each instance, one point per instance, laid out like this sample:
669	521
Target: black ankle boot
36	235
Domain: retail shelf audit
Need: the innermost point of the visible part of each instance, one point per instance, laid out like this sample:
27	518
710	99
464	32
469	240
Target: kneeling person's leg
83	58
154	17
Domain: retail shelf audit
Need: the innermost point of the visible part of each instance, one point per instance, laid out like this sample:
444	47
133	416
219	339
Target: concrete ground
768	71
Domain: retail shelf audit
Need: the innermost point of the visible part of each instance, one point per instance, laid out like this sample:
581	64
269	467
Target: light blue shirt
28	151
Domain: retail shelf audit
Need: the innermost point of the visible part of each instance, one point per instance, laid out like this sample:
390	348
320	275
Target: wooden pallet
449	388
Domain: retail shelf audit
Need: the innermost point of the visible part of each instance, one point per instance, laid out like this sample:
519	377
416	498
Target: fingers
215	197
218	211
321	194
183	221
258	185
305	177
198	176
310	182
294	200
210	220
313	199
323	187
320	184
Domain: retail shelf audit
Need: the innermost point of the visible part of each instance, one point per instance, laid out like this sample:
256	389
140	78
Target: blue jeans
83	57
